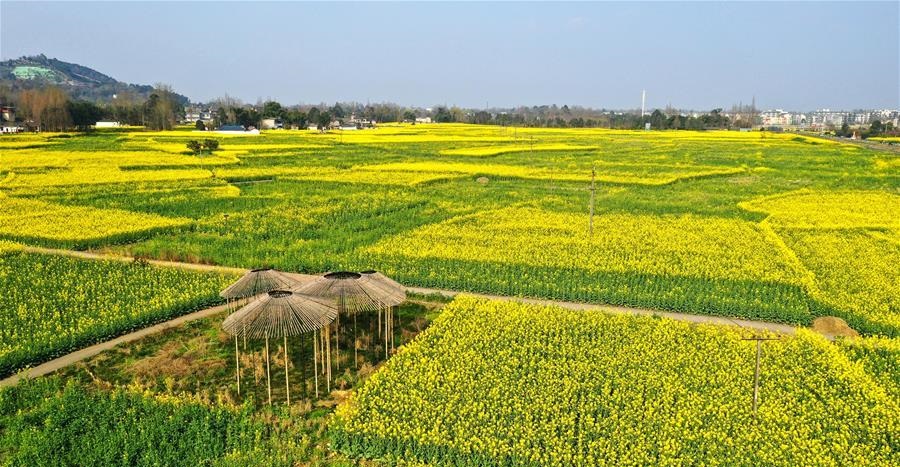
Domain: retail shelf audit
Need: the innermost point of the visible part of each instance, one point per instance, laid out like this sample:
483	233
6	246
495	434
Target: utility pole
591	221
756	372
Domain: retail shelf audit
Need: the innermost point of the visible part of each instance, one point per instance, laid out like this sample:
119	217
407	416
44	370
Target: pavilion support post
287	380
337	340
328	357
237	363
315	363
268	371
355	345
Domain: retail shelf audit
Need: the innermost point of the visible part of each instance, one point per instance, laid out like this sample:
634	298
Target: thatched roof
354	292
279	313
258	281
394	292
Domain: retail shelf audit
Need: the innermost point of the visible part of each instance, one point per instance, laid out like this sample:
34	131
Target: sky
796	56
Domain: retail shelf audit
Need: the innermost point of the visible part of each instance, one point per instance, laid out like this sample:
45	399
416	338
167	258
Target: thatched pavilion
281	313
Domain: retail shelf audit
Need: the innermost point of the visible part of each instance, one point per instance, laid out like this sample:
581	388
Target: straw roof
256	282
354	292
280	313
394	291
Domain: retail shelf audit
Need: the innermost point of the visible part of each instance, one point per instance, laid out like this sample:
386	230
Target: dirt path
88	352
113	257
705	319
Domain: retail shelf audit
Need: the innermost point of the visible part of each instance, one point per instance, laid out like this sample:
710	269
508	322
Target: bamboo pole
355	345
337	340
237	363
287	380
315	363
268	371
328	357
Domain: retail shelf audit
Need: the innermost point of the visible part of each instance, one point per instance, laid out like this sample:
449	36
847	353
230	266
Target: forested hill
79	81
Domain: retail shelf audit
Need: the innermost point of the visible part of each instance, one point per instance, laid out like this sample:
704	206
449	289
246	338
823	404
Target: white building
107	125
271	124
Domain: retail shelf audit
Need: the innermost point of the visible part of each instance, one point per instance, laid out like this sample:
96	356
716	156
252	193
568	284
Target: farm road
88	352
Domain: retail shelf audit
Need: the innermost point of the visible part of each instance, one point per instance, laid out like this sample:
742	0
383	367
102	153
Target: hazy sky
799	56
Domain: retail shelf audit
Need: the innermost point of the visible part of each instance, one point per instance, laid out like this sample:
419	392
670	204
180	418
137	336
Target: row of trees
876	128
51	109
231	111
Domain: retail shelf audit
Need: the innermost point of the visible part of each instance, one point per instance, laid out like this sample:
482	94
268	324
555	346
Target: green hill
79	81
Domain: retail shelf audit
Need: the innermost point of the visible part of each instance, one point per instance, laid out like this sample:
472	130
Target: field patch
53	304
488	151
503	383
611	173
672	262
59	225
830	210
855	273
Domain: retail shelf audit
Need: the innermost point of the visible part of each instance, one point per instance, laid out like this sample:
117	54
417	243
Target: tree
83	114
272	109
161	109
409	116
313	116
194	146
324	120
47	107
199	125
337	111
211	145
876	128
658	120
442	115
845	130
481	118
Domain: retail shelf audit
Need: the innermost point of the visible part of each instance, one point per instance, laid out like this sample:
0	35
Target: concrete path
88	352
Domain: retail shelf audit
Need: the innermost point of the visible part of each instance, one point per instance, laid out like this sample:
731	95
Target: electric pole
591	220
756	372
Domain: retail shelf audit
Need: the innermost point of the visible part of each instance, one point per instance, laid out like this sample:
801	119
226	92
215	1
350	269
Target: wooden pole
316	363
268	371
287	380
591	225
756	379
237	363
756	370
355	345
328	356
337	340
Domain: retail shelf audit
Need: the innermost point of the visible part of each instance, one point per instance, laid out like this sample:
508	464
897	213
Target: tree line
50	108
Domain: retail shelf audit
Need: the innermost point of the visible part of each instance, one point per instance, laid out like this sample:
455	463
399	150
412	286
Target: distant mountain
79	81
